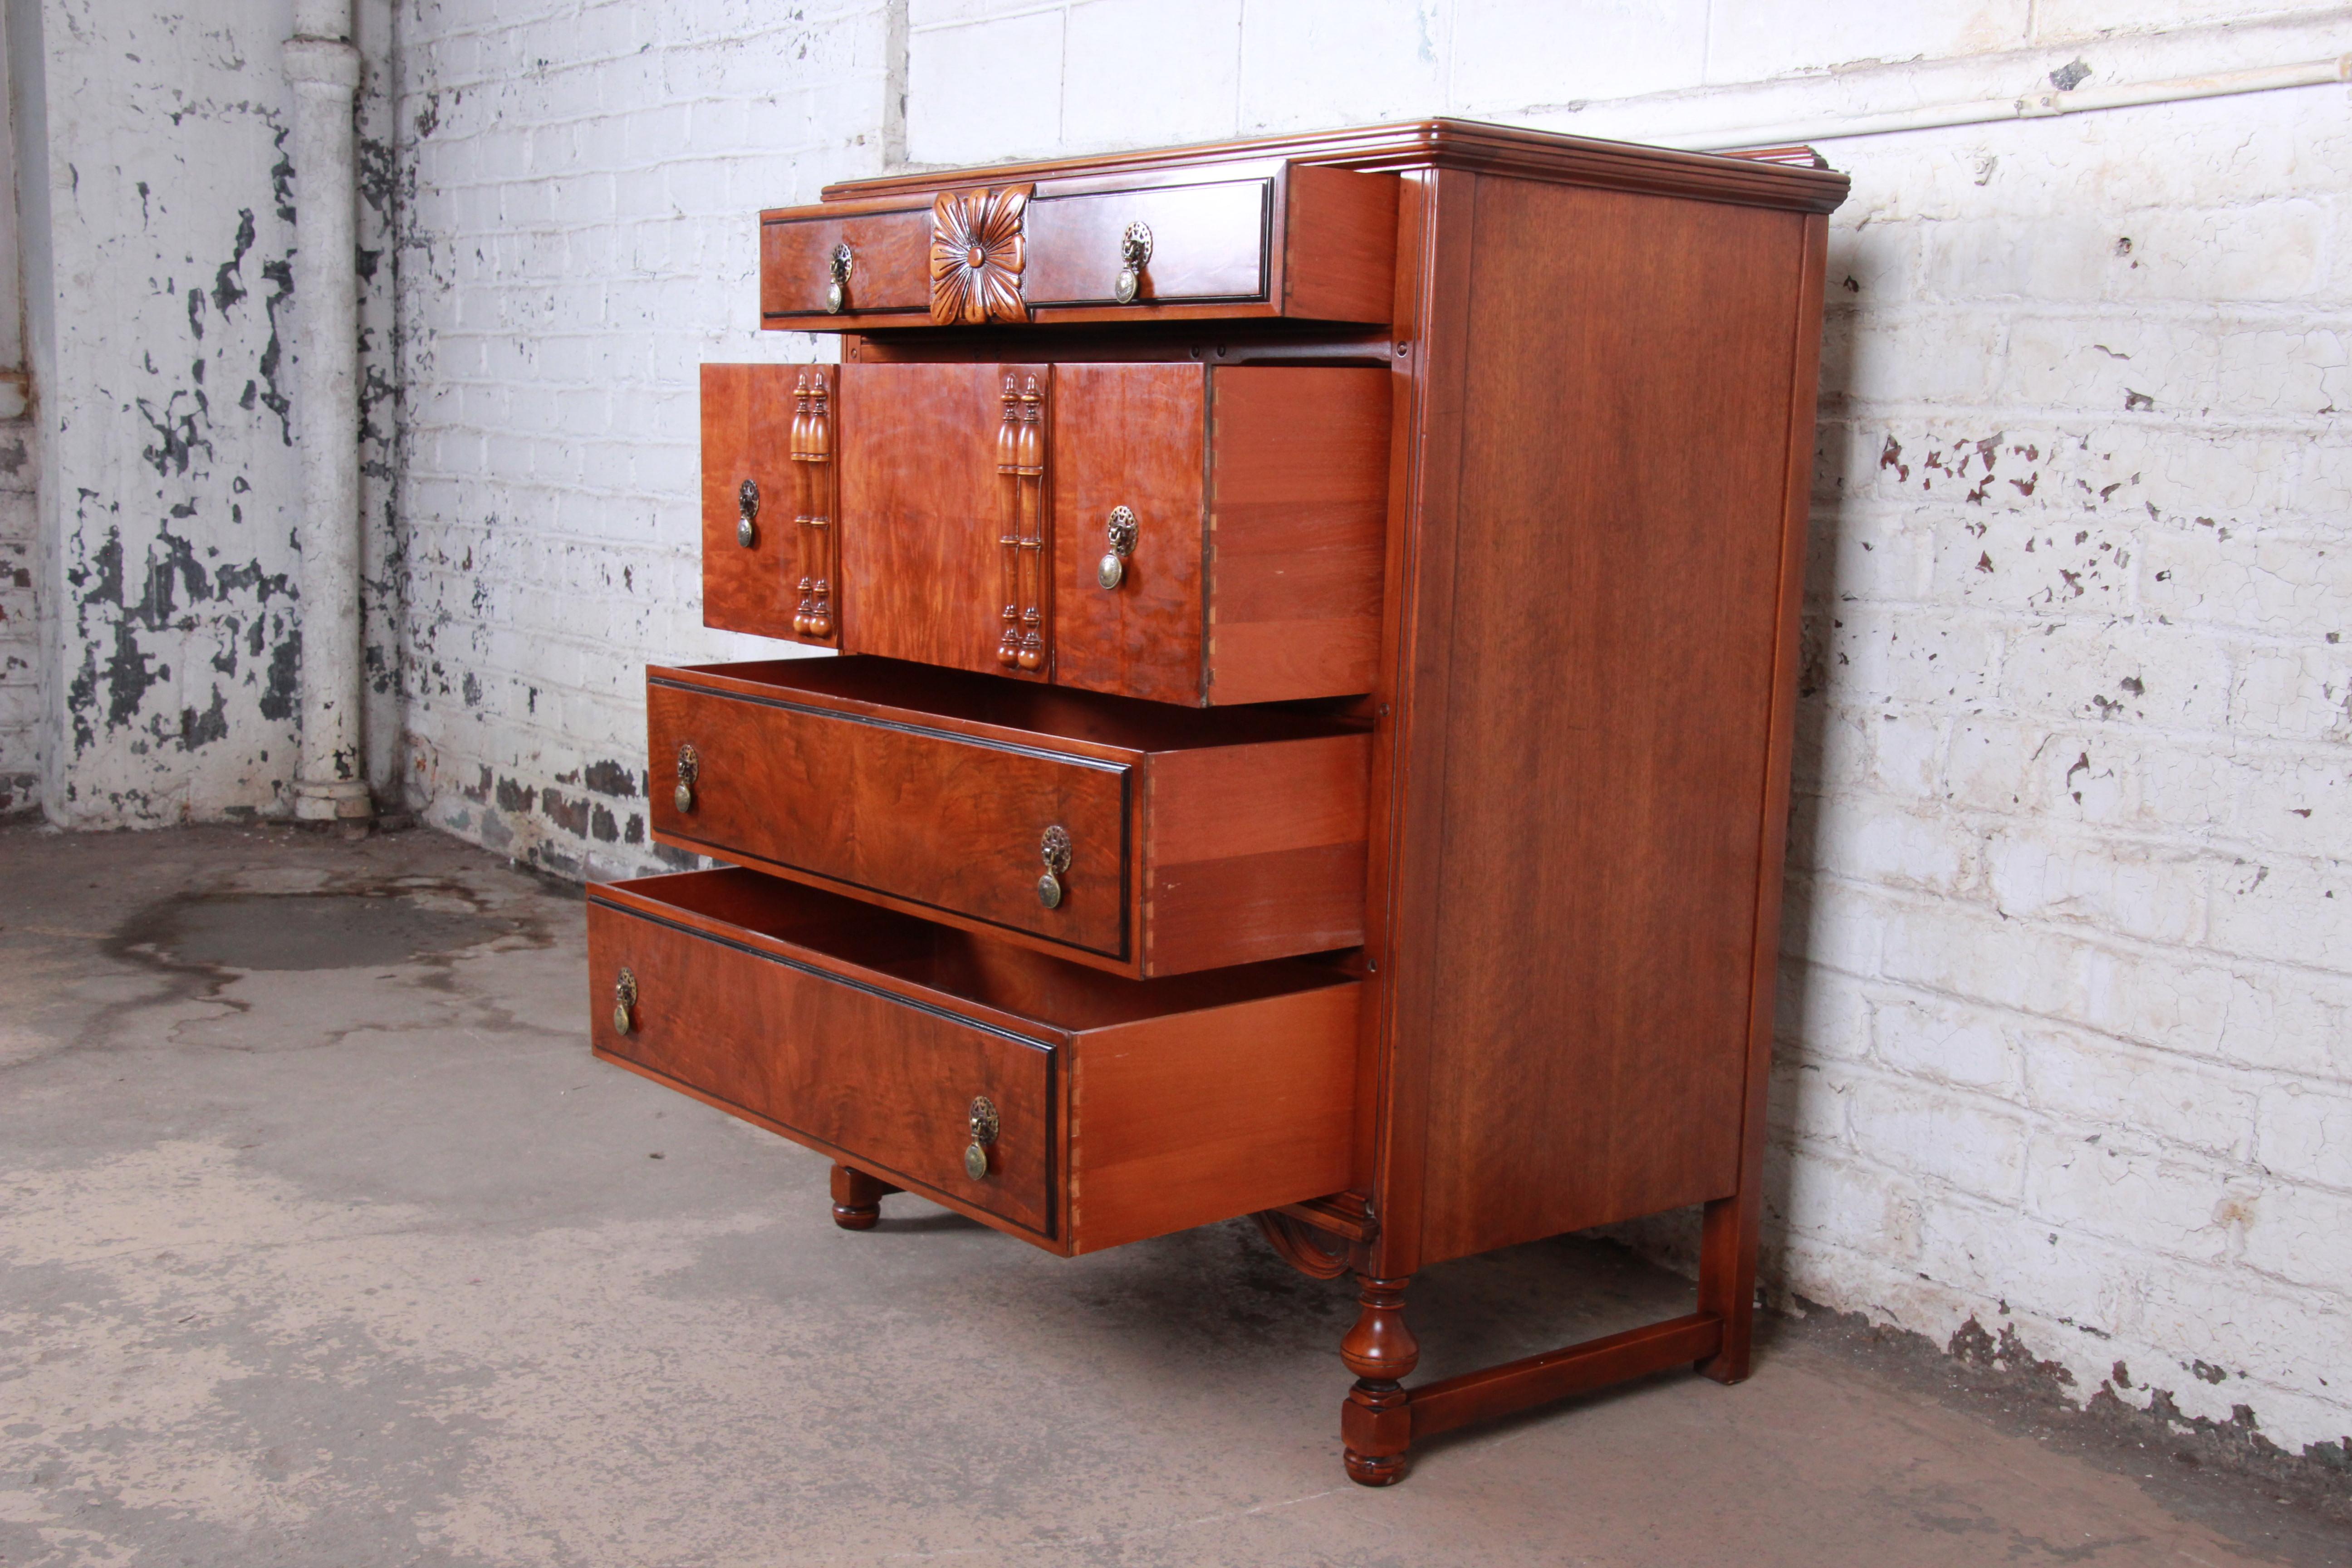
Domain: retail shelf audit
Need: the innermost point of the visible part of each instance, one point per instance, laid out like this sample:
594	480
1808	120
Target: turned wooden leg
857	1198
1726	1281
1375	1426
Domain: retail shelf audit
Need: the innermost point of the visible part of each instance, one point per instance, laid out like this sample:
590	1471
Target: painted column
323	66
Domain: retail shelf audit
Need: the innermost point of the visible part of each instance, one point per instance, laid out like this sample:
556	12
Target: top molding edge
1765	181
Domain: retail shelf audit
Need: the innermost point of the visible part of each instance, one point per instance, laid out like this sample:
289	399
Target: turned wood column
1374	1423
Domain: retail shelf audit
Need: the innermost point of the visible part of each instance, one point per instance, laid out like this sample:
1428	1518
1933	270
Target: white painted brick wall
22	729
2067	1016
582	235
159	605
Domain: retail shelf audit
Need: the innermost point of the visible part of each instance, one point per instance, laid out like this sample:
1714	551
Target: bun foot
857	1198
1375	1470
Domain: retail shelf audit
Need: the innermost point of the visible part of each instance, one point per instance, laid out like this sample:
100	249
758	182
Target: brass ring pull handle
689	772
1112	570
747	512
836	293
985	1125
1134	252
1055	850
624	1001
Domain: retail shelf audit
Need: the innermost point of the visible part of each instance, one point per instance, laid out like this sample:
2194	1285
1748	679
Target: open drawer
1253	237
1134	836
1115	1110
1205	534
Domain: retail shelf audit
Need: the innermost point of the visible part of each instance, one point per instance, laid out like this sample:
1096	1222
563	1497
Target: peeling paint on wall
171	197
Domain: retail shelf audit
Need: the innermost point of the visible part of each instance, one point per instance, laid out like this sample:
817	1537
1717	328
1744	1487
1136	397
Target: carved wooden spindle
1009	489
1375	1424
1032	471
802	479
817	539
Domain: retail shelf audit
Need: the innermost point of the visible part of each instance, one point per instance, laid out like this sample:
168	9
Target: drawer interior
1126	1109
962	966
1055	712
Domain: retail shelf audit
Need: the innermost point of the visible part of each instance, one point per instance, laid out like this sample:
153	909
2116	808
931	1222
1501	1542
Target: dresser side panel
1614	620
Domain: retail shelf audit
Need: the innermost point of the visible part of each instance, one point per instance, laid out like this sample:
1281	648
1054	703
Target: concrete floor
324	1241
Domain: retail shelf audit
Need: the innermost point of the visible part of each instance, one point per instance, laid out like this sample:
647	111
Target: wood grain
1128	1108
1338	243
1188	1120
1131	435
946	821
889	263
1261	498
933	803
1621	499
1298	519
839	1063
1495	1390
1208	242
919	510
747	412
1443	144
1730	1230
1259	238
1255	851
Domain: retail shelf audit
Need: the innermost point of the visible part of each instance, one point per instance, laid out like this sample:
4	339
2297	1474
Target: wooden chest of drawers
1312	742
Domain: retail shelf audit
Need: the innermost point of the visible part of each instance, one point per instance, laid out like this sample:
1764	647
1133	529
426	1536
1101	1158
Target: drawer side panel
1205	1116
1255	852
1297	530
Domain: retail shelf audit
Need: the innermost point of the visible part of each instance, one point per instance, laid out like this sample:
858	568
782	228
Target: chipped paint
175	559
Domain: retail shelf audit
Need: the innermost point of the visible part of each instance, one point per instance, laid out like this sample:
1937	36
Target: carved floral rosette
978	251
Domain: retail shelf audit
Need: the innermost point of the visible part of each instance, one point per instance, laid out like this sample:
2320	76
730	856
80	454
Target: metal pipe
323	66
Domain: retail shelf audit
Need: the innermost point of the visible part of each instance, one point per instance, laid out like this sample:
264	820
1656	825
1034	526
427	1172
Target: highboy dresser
1320	620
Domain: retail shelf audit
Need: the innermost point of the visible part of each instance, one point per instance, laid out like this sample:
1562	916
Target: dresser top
1786	177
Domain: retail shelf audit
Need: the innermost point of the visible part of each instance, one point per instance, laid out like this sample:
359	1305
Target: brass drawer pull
1121	530
689	772
836	293
1134	251
624	1001
985	1125
747	508
1055	850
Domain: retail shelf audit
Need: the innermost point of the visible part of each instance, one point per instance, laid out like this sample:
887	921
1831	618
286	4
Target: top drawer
1223	241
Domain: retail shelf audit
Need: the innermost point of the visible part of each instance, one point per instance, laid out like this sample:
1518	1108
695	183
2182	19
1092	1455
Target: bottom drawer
1124	1108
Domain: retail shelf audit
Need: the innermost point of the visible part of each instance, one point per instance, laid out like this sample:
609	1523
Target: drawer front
1208	242
1129	445
946	821
848	1065
945	543
769	540
890	264
1253	239
1257	498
